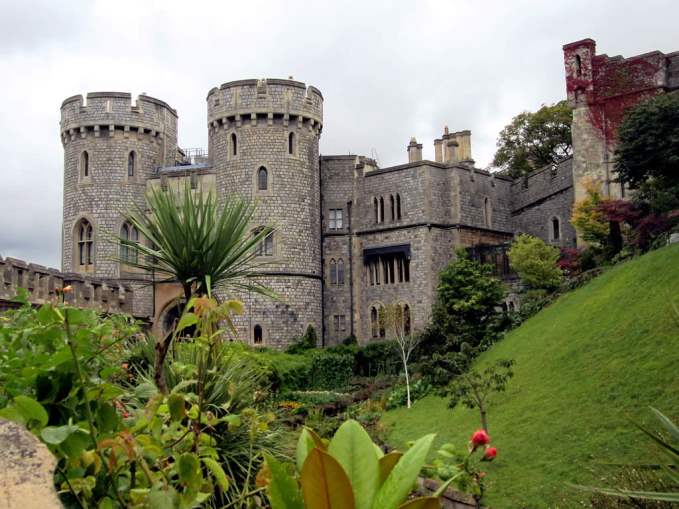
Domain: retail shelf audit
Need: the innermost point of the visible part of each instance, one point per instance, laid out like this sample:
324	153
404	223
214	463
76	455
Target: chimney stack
414	151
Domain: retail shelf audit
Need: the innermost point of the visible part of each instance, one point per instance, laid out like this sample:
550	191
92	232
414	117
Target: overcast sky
387	70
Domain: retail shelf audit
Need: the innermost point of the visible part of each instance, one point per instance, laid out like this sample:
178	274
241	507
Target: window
85	244
556	229
262	179
388	269
336	221
381	210
340	323
340	272
129	233
487	212
393	207
377	214
194	181
291	144
380	314
406	320
578	66
373	322
258	337
234	145
130	164
333	272
265	247
398	206
84	165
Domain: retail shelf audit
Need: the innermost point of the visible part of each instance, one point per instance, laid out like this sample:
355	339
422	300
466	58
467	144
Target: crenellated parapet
113	114
267	101
42	284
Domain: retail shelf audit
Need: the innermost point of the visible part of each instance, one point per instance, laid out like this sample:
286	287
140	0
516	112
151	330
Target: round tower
111	148
263	142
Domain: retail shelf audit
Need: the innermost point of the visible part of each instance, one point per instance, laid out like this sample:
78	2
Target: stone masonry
350	237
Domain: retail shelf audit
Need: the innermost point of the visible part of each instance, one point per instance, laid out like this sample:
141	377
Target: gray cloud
388	70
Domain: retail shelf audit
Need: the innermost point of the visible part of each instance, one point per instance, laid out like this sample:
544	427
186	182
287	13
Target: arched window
262	179
129	233
340	272
392	207
130	163
84	164
234	144
380	319
265	246
258	337
333	272
381	210
406	320
578	66
398	206
291	143
373	322
377	213
85	244
556	228
487	212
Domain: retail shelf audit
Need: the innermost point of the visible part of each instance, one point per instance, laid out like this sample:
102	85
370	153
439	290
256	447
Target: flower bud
479	438
490	454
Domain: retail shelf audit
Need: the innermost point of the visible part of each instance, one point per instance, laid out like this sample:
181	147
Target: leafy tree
533	140
394	319
189	238
308	341
648	143
535	262
589	221
472	389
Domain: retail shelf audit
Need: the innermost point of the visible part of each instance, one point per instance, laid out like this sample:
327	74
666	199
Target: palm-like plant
193	240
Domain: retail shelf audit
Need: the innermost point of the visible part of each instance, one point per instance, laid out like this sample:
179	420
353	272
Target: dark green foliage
398	395
648	143
330	370
308	341
534	140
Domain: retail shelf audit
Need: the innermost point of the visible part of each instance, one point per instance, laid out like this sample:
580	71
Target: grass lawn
583	365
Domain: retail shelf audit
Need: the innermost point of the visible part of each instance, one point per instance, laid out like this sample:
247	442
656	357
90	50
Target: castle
350	237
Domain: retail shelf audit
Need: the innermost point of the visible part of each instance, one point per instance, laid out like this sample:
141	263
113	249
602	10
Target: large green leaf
282	490
403	476
55	435
325	485
217	472
355	451
308	439
188	468
31	410
387	464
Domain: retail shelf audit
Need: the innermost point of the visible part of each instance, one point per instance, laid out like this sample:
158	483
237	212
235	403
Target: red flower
479	438
491	452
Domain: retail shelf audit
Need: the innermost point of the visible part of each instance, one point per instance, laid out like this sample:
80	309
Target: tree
472	388
394	317
589	221
533	140
648	143
535	262
192	240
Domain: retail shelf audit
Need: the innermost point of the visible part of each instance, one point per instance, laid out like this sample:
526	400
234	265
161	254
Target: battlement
114	111
42	284
266	100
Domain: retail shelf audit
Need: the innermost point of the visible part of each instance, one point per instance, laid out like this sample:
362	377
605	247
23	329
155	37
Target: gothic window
373	321
377	213
392	207
406	320
336	221
340	272
487	212
398	206
84	165
380	314
291	144
333	272
131	163
262	179
258	336
381	210
376	268
234	144
85	244
556	229
128	233
265	246
578	66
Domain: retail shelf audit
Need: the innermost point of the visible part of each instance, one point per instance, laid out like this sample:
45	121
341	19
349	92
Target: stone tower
111	148
263	143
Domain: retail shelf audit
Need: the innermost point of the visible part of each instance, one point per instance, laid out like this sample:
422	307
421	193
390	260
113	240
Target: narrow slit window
130	164
262	179
291	144
234	144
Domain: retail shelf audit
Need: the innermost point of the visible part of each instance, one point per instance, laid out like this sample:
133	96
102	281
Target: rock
26	470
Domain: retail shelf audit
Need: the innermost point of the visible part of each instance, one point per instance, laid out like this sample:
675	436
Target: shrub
535	262
308	341
398	396
330	370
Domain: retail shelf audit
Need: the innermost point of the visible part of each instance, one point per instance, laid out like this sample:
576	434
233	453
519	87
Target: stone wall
542	196
42	284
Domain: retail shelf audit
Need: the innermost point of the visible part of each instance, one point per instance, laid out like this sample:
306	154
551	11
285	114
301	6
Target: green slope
599	354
